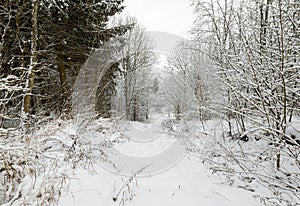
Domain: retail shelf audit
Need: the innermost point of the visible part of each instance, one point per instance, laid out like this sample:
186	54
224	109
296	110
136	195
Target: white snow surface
188	182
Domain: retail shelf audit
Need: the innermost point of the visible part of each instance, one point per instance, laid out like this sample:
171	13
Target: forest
78	80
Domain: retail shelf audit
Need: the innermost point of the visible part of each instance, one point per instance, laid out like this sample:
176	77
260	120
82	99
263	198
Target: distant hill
164	42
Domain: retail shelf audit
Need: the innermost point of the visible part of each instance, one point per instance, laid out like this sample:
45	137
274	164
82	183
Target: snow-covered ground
161	162
171	176
188	183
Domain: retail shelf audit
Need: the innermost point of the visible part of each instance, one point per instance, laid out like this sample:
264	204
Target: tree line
42	48
242	65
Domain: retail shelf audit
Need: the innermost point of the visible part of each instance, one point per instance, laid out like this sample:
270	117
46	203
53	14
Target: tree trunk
32	66
135	108
65	89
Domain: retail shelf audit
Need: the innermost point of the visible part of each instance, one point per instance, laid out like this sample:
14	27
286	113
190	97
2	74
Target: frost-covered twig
126	184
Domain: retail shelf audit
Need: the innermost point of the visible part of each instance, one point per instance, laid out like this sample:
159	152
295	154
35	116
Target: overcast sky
173	16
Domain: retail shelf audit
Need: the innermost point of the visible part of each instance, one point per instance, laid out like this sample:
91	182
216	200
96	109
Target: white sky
172	16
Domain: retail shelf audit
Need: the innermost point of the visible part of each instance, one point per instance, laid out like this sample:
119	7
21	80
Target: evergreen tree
49	46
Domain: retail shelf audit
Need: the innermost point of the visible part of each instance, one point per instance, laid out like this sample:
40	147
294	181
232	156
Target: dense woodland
241	65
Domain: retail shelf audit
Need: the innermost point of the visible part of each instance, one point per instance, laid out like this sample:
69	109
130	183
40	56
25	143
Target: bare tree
253	46
138	56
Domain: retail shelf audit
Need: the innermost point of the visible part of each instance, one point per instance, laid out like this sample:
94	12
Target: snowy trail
148	147
187	182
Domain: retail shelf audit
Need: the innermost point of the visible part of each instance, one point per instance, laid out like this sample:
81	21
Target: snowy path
188	183
182	182
148	147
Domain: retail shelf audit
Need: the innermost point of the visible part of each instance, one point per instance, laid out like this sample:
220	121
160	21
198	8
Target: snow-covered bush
168	124
251	165
30	174
35	169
